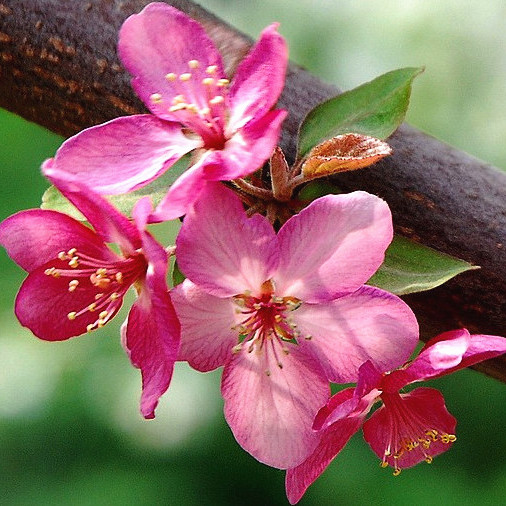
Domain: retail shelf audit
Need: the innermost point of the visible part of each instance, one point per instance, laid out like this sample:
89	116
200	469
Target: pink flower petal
107	221
333	246
270	409
221	250
369	324
185	190
124	154
161	40
248	149
450	352
331	443
43	303
419	420
352	402
259	79
150	336
207	336
34	237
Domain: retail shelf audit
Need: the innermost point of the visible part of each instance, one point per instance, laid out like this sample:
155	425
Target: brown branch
58	67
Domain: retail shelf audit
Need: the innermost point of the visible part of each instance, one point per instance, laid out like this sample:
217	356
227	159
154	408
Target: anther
74	262
72	315
178	107
114	296
119	277
396	472
208	81
156	98
193	64
62	255
211	69
171	76
71	252
205	111
428	459
185	77
73	285
90	327
237	348
103	315
308	337
179	99
92	307
218	99
383	464
222	82
99	296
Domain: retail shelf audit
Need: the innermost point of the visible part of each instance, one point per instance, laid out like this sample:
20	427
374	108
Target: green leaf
316	189
375	108
411	267
177	276
53	199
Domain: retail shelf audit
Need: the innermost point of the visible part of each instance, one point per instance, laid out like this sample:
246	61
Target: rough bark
59	68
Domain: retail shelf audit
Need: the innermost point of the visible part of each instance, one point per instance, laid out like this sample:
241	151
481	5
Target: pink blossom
286	313
409	427
178	73
76	283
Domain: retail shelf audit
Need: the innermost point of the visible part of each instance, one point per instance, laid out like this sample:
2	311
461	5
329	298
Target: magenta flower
76	283
286	313
409	427
178	73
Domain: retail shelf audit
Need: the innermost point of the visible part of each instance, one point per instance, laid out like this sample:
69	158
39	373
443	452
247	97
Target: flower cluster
279	301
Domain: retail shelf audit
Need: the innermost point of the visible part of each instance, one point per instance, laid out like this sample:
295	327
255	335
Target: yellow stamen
193	64
73	285
171	76
208	81
62	255
71	252
92	307
119	277
72	315
185	77
74	262
178	107
211	69
103	315
179	99
156	98
222	82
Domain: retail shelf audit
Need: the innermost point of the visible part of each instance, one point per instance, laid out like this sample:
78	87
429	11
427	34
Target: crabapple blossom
178	73
409	427
286	313
76	283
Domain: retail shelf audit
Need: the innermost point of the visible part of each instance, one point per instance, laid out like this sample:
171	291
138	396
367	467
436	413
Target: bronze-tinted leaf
343	153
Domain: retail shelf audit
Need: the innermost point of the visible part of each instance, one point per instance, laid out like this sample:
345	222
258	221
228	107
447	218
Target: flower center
412	436
105	282
199	100
266	321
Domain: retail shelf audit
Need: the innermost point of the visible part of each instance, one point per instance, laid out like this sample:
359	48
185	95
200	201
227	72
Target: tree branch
59	68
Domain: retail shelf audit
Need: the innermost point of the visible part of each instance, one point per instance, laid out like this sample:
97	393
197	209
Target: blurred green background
70	431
